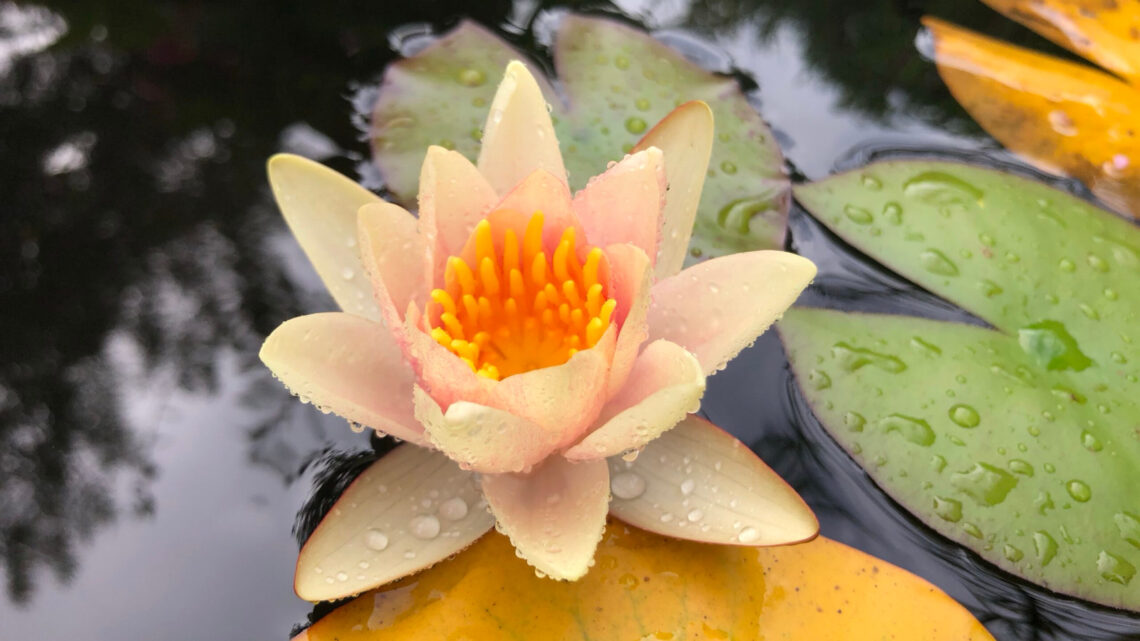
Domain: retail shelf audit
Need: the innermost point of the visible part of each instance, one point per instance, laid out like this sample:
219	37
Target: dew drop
1115	568
627	485
819	380
870	182
1097	263
853	358
985	483
376	540
854	421
989	288
1090	441
424	526
687	487
347	273
1079	490
936	262
453	509
342	576
748	535
858	215
635	125
1045	546
1067	265
728	167
695	515
948	509
1129	526
1012	554
472	77
915	430
1019	466
893	212
965	416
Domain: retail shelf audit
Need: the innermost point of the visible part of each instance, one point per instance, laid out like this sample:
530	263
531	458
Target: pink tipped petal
347	365
454	197
483	439
631	276
519	136
320	207
442	374
545	192
719	307
562	399
623	205
697	482
406	512
392	251
665	385
555	515
685	137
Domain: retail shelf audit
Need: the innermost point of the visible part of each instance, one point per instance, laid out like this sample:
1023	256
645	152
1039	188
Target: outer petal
685	136
697	482
519	136
454	197
392	251
563	399
377	531
624	205
347	365
320	207
666	384
717	308
630	279
481	438
555	515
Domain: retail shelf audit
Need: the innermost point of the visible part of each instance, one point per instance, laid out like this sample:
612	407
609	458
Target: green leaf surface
1023	441
617	83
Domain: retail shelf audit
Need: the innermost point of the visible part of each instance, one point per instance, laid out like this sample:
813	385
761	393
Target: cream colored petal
685	137
406	512
442	374
347	365
563	399
624	204
519	136
392	252
716	308
320	208
555	515
454	197
631	276
665	385
697	482
483	439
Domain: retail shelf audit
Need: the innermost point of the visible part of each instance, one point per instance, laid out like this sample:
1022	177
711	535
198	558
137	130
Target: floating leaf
1064	117
649	587
617	82
1021	442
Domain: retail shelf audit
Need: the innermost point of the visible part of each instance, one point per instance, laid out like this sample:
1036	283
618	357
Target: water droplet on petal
424	526
376	540
627	485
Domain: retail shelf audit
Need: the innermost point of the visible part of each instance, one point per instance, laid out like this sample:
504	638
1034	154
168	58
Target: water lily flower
524	338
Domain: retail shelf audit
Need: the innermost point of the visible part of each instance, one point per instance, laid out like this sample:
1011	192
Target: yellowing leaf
648	587
1063	117
1106	32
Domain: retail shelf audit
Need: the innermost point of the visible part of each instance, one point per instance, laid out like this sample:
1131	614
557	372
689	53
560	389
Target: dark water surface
150	468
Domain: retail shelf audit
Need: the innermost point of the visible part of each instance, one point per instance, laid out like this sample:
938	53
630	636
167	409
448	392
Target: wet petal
347	365
698	482
454	196
483	439
320	207
442	374
563	399
631	277
519	136
624	205
719	307
685	137
545	192
406	512
555	515
392	251
665	385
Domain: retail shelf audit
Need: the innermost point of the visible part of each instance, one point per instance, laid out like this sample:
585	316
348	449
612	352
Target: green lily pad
617	82
1021	442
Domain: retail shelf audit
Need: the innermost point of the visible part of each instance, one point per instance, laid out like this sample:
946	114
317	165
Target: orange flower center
515	309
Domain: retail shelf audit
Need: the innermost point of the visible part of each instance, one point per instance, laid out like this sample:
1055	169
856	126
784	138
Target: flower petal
697	482
347	365
454	197
685	137
481	438
320	207
665	385
555	515
717	308
624	204
406	512
630	280
443	375
392	251
519	136
563	399
543	191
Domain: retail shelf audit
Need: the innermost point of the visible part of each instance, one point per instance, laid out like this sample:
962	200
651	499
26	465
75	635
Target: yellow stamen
512	309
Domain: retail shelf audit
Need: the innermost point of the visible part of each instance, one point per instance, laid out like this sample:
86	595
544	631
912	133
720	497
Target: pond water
151	469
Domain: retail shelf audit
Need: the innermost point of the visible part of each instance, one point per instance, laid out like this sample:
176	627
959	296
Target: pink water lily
524	338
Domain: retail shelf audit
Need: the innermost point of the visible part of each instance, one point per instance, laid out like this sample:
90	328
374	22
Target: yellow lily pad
649	587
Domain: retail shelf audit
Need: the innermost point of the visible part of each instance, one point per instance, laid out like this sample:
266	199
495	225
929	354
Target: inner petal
510	304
